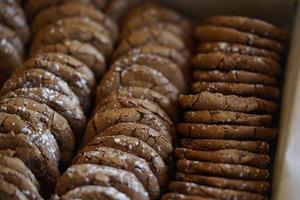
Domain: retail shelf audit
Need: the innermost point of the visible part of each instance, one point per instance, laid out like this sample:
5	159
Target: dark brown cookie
138	148
21	182
74	28
89	174
218	101
143	37
117	9
10	58
21	147
251	25
240	89
9	35
77	81
94	192
56	101
234	61
119	159
211	192
17	165
210	33
208	47
223	170
144	94
76	9
10	191
84	52
234	132
38	78
153	138
116	102
168	68
225	183
137	76
13	17
178	196
234	76
59	126
33	7
226	117
219	144
103	120
230	156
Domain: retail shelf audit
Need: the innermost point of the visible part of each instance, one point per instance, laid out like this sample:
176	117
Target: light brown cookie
178	196
10	191
9	35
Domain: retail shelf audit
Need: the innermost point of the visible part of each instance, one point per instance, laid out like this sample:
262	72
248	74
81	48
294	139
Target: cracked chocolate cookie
260	147
226	117
220	131
234	76
218	101
233	61
119	159
210	33
90	174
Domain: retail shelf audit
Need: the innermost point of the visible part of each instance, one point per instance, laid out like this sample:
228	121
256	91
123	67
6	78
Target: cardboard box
285	14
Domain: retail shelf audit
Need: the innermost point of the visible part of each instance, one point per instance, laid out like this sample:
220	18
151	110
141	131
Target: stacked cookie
129	138
44	102
14	34
228	123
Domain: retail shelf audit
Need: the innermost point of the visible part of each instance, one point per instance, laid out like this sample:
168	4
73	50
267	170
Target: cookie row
14	35
228	124
129	139
44	102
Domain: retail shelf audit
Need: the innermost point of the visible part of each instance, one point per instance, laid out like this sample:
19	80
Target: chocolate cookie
77	81
76	9
219	144
208	47
211	192
153	138
142	37
234	61
137	76
17	165
168	68
38	78
218	101
20	146
210	33
117	9
74	28
33	7
116	102
56	101
246	24
21	182
223	170
10	58
136	147
119	159
9	35
59	126
103	120
95	192
84	52
10	191
226	117
177	196
230	156
234	132
13	17
240	89
144	94
234	76
225	183
89	174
